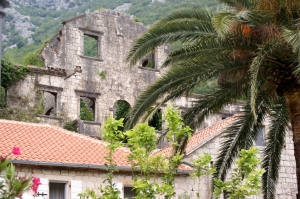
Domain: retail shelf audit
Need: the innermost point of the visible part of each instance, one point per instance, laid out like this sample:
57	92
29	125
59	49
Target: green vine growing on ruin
24	114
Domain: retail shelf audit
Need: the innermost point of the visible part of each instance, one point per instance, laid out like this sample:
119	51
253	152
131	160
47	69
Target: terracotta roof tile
47	143
201	136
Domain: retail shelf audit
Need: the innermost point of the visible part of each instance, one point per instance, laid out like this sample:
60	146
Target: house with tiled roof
71	162
67	162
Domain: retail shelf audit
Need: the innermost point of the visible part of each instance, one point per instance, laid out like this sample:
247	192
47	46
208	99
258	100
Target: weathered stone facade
69	74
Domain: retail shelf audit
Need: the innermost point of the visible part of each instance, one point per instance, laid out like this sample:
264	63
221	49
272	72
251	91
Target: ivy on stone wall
11	73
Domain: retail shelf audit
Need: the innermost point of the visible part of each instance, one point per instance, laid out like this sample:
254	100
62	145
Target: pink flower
35	184
16	150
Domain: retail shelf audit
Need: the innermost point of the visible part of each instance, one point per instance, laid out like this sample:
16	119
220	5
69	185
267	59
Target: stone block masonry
114	33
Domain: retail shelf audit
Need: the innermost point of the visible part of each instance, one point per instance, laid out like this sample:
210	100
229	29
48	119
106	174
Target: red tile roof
47	143
197	139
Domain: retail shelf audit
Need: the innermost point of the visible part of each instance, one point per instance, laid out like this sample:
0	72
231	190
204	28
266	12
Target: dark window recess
129	192
90	46
49	103
260	137
156	120
57	190
87	108
149	61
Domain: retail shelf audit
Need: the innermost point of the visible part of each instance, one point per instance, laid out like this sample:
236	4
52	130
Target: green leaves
142	136
11	186
245	180
11	74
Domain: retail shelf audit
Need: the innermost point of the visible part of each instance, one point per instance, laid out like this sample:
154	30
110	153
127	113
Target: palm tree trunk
292	98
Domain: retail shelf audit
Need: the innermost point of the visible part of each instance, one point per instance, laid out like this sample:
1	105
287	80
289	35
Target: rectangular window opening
57	190
90	46
260	137
87	108
50	103
129	193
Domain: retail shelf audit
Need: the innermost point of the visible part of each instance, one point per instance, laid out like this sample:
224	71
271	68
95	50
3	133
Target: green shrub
33	58
71	126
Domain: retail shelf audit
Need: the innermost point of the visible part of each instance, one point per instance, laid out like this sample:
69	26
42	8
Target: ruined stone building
99	79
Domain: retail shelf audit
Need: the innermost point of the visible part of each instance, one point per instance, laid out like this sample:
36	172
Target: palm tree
254	51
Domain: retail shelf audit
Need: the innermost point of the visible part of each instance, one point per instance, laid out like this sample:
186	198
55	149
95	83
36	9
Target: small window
129	193
149	61
87	109
57	190
260	137
90	46
49	103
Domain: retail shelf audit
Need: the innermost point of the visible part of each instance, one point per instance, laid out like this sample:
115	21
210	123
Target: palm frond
292	37
183	29
170	86
186	13
176	82
205	48
240	4
254	72
274	144
240	135
223	23
214	102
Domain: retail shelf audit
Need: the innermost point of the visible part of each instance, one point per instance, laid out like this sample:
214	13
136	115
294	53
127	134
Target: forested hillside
31	22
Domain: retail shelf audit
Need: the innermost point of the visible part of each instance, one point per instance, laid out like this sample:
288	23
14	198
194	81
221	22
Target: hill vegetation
47	21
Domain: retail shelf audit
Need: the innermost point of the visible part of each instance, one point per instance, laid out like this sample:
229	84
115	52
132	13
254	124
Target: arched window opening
121	108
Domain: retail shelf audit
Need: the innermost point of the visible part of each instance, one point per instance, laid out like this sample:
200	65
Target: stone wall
115	33
287	183
92	178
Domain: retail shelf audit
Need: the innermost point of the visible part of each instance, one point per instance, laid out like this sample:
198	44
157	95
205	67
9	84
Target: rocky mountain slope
30	22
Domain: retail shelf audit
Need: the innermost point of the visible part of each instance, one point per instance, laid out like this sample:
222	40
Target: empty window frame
91	42
50	103
90	46
149	61
87	108
129	193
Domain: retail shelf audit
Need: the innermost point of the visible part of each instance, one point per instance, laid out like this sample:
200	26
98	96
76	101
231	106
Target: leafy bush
71	126
33	58
11	73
